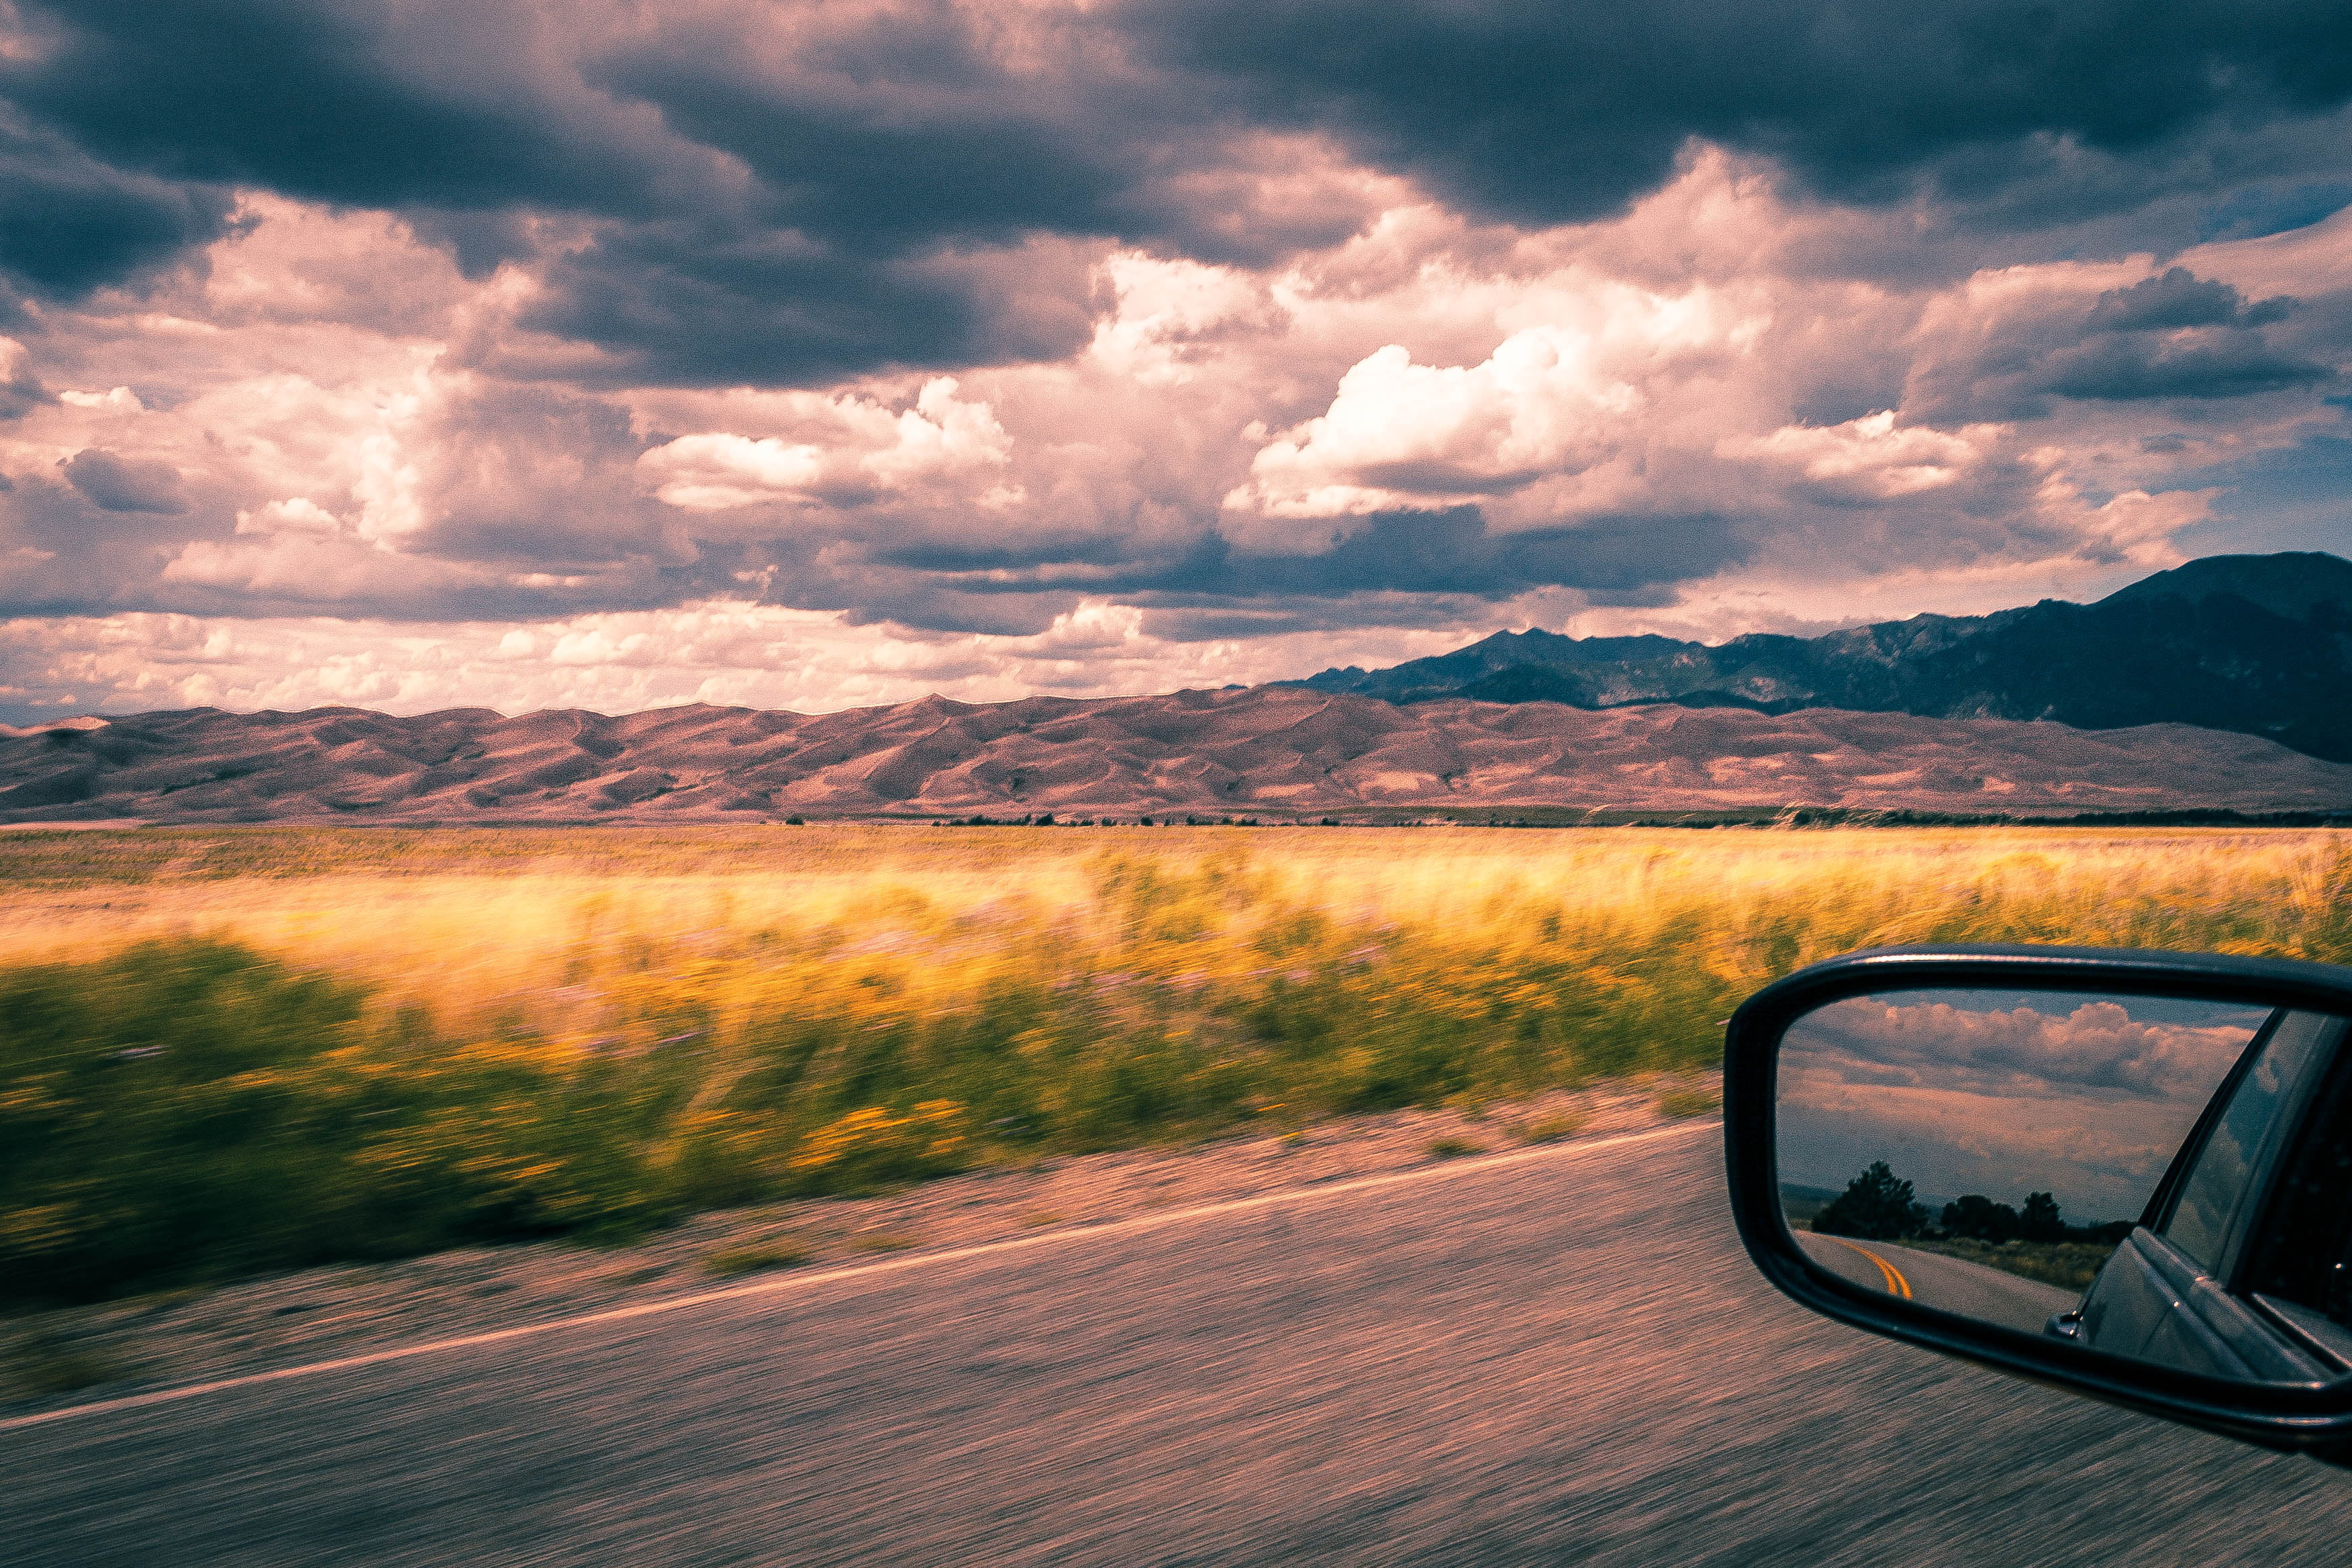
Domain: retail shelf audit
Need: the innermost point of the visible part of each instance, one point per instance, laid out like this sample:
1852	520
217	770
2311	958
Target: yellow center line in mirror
1896	1284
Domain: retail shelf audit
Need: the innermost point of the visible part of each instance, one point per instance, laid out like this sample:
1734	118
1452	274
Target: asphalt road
1565	1360
1930	1278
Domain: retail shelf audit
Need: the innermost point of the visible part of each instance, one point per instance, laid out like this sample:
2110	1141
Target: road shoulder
126	1348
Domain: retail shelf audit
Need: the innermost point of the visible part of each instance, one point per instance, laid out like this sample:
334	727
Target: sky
2088	1097
615	354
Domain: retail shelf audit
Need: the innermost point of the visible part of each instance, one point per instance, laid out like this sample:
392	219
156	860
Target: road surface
1932	1279
1560	1360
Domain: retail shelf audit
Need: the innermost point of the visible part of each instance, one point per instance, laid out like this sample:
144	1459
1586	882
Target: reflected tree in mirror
1877	1206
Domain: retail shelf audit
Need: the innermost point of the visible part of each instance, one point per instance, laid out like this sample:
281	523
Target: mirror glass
2164	1179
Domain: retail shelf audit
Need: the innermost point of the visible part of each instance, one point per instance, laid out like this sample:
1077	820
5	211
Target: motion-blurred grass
232	1050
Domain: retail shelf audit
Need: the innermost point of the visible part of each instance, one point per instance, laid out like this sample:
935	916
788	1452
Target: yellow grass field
437	1035
461	918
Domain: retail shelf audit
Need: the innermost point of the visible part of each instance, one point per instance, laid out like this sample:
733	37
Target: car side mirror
2128	1174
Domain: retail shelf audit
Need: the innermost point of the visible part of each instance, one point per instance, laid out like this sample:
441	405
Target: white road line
780	1283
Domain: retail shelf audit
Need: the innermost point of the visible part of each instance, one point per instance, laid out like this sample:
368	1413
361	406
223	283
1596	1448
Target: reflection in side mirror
2131	1172
2043	1161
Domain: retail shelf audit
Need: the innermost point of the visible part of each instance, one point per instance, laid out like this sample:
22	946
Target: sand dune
1274	753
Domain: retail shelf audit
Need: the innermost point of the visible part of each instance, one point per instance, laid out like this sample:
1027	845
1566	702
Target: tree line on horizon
1879	1205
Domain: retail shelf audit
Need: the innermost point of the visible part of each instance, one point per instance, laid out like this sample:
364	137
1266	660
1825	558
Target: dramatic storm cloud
411	353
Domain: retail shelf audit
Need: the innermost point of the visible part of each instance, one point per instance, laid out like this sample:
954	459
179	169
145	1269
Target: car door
2174	1291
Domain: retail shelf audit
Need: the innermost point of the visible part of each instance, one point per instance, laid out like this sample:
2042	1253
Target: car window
2306	1260
2226	1168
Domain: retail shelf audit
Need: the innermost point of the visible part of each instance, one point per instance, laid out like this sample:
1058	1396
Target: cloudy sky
2085	1097
617	353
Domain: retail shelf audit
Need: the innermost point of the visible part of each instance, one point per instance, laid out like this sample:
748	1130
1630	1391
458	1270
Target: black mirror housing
2315	1417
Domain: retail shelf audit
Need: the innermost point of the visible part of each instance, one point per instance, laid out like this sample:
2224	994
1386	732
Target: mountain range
1272	753
2257	643
2221	686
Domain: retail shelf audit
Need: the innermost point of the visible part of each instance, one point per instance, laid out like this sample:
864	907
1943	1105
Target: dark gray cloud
908	156
115	483
2178	297
1403	569
1451	553
21	391
1612	559
359	101
1223	620
796	196
859	196
140	120
2172	336
1565	111
70	222
2210	363
884	127
698	304
2257	211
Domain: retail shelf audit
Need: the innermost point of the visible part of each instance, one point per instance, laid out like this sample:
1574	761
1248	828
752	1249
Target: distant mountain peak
2290	583
2280	666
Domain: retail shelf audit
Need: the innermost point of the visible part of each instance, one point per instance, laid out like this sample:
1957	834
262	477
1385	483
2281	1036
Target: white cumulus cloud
867	449
1868	458
1552	399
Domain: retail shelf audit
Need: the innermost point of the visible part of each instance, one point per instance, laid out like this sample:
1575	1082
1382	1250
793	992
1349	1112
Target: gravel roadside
70	1355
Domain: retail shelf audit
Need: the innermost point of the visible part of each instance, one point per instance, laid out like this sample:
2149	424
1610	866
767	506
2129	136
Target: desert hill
2260	644
1279	754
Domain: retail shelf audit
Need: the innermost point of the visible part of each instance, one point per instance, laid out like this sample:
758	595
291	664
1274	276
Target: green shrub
192	1109
728	1262
1549	1129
